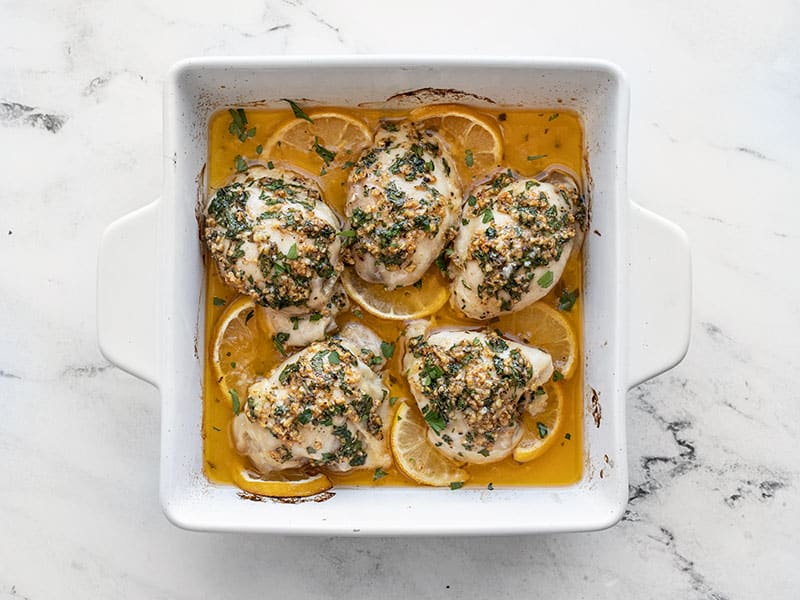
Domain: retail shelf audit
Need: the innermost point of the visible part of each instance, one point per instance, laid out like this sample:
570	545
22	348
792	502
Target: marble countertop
714	496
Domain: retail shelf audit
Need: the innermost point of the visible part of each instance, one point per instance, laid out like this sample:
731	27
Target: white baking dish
637	294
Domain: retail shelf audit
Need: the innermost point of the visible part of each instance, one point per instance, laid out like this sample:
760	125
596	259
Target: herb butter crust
272	237
402	205
470	387
516	236
323	407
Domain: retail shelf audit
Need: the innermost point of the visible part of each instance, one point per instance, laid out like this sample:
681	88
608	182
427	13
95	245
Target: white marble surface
715	125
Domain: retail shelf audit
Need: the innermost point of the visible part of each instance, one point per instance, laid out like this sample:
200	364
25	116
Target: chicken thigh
516	237
273	237
471	389
323	407
403	205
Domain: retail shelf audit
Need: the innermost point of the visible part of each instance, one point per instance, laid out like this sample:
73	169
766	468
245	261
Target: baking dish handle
126	307
660	290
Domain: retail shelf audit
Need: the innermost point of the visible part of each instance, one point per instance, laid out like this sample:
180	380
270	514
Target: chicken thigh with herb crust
403	205
273	237
516	237
323	407
471	389
291	330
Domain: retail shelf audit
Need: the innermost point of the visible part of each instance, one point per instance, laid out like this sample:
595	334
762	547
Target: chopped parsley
238	126
567	299
379	474
315	317
219	301
279	339
488	215
557	375
295	322
387	349
287	371
537	156
323	152
333	357
259	150
456	485
347	233
468	158
545	280
298	112
553	117
434	419
235	401
304	417
542	429
292	253
240	164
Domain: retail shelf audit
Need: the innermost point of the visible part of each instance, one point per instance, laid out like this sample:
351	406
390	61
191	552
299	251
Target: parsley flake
456	485
235	401
219	301
542	429
240	164
325	154
387	349
545	280
279	339
298	112
468	158
567	299
379	474
434	419
238	126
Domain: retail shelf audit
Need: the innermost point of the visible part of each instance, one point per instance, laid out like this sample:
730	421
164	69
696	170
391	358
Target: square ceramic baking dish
636	297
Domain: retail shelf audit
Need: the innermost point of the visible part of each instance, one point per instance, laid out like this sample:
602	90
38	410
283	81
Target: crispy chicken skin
325	407
403	204
472	387
516	237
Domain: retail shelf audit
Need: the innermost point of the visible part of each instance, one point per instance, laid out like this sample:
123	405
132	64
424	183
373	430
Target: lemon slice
332	140
475	140
542	326
283	487
542	429
399	304
238	349
415	456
